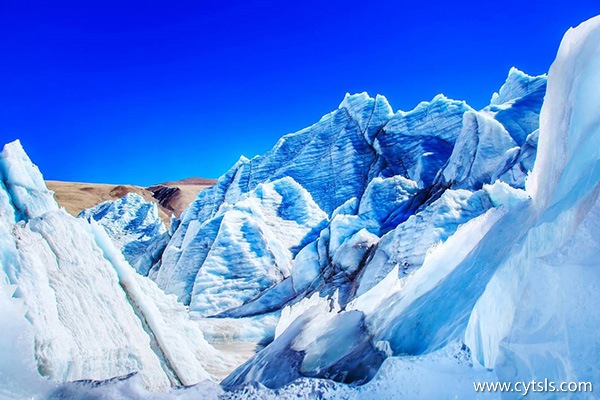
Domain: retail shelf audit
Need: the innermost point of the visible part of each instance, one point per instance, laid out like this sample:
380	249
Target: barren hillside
172	197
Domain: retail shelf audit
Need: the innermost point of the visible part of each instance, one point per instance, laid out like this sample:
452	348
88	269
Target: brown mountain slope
176	196
77	196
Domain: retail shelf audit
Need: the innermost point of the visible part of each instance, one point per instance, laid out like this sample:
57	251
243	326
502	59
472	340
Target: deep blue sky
145	92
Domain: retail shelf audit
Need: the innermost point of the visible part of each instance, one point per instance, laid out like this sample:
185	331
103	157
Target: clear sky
150	91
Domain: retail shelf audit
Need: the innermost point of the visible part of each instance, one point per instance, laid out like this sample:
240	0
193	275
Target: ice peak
370	113
350	100
569	133
517	84
15	145
134	226
439	99
132	197
359	101
24	183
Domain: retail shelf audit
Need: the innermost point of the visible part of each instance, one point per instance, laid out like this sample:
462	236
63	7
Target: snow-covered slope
90	314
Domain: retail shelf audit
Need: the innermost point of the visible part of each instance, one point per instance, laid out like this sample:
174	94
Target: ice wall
537	316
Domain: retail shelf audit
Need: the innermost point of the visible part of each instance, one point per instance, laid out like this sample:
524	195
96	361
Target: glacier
334	209
391	254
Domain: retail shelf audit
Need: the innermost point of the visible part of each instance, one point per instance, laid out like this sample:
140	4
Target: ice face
480	155
542	323
375	317
566	123
408	244
385	199
127	219
517	106
518	85
369	113
517	174
416	144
